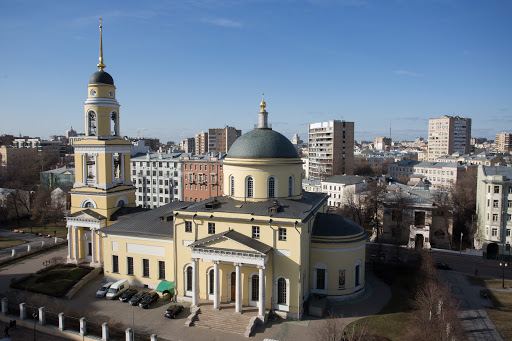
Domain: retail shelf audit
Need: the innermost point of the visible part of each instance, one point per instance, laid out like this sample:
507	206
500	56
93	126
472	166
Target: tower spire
263	115
100	64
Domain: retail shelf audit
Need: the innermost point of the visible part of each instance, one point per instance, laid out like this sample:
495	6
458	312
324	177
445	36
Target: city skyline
179	64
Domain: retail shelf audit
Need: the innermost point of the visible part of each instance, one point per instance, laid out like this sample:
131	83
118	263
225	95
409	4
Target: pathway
34	241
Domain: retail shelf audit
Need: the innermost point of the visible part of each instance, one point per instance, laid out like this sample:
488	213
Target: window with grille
212	281
271	187
320	279
161	269
211	228
188	226
282	233
290	186
129	263
281	291
256	232
115	264
250	187
231	185
255	294
145	268
189	278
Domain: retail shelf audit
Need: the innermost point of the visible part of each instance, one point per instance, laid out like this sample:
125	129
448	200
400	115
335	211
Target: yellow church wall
137	279
105	202
79	166
102	90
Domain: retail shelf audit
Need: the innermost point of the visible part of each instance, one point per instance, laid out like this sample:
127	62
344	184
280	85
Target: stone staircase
226	319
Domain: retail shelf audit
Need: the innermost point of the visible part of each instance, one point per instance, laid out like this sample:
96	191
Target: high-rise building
331	149
188	145
201	143
503	142
447	135
382	143
221	139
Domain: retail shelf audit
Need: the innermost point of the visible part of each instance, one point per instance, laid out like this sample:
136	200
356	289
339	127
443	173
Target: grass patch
393	319
28	224
54	281
500	299
488	283
501	319
7	242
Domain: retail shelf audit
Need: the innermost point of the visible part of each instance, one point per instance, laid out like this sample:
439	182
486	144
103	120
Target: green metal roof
165	285
262	144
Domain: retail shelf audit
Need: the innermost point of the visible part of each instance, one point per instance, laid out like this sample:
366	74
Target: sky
181	67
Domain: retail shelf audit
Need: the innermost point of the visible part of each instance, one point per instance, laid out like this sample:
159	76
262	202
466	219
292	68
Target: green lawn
54	282
489	283
27	225
501	319
6	242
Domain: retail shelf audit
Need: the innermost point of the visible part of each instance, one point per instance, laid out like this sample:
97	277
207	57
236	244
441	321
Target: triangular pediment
87	214
233	241
227	244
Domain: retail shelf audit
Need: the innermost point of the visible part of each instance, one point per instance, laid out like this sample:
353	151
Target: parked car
125	296
148	300
137	297
117	289
103	290
173	310
442	266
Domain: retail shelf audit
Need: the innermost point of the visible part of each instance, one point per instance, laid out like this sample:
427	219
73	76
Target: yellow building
264	243
102	171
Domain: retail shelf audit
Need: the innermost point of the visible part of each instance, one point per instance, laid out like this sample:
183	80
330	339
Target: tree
464	203
44	210
373	202
399	203
444	206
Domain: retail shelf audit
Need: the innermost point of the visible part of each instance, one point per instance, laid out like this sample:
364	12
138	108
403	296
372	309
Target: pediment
232	241
87	214
227	244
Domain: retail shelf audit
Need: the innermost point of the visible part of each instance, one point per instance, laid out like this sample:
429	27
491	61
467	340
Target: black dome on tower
101	77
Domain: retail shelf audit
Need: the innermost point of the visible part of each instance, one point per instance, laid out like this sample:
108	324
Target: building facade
221	139
343	189
16	156
382	144
188	145
503	143
202	176
331	149
494	210
447	135
158	178
201	143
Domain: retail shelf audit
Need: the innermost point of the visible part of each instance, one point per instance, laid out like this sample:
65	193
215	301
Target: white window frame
358	263
185	280
315	289
251	192
274	190
282	307
251	302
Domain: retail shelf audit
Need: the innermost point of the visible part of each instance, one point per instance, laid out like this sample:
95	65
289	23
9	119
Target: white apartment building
340	188
447	135
494	210
441	175
158	178
331	149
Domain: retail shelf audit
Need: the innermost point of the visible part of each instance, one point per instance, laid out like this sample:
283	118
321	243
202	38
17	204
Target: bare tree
399	203
464	203
333	329
444	206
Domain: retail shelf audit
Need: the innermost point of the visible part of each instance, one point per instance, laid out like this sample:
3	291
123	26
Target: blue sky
182	67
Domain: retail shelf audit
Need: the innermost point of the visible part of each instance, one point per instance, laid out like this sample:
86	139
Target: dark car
148	300
137	297
173	310
442	266
125	296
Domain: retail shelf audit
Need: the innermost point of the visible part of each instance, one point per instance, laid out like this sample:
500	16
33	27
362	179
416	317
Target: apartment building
494	210
447	135
188	145
221	139
503	143
441	175
331	149
483	158
202	176
10	155
157	178
340	188
201	143
382	144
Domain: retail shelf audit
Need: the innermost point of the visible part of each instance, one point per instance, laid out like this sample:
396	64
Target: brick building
202	176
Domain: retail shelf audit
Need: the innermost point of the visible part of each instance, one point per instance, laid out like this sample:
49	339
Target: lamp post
460	252
34	315
503	266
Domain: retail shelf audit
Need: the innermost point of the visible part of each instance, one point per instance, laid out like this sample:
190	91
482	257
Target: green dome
262	144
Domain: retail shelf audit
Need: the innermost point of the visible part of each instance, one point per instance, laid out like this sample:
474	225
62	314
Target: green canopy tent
165	287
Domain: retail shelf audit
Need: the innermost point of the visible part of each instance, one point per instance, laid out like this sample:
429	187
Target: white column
104	332
216	301
121	160
261	303
99	247
93	245
70	255
84	170
75	240
238	293
194	282
61	321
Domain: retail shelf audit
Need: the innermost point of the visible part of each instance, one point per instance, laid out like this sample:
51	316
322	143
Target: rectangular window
320	279
145	268
129	265
508	232
341	280
256	232
509	204
494	217
115	264
494	232
161	269
211	228
282	233
188	226
495	204
496	189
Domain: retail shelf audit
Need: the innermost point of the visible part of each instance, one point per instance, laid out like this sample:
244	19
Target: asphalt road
30	239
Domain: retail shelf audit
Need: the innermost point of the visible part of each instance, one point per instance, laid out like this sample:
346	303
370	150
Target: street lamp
34	315
503	266
460	252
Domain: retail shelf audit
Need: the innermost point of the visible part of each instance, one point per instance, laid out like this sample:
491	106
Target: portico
249	254
84	240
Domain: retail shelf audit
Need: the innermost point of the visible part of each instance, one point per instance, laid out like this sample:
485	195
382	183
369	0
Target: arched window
91	123
114	117
88	205
271	187
357	274
211	281
232	185
250	187
290	186
188	278
281	291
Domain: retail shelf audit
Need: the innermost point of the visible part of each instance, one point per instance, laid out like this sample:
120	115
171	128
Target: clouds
407	73
223	22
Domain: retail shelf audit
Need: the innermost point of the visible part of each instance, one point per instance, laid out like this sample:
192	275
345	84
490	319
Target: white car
103	290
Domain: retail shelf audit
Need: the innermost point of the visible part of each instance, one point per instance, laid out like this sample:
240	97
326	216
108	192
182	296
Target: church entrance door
233	286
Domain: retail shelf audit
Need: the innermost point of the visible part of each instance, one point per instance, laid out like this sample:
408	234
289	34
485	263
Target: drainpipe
273	257
195	226
295	226
175	251
299	296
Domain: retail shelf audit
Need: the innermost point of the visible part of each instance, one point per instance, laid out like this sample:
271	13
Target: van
117	289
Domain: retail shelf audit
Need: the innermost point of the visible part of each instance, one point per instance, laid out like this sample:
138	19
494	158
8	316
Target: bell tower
102	169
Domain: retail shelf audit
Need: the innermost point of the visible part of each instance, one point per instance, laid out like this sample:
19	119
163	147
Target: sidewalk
34	241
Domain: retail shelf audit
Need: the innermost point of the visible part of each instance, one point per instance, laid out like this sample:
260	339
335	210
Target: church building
263	243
